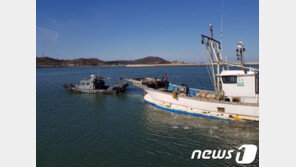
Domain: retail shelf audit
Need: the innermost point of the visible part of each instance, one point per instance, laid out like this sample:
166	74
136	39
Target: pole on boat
211	29
239	54
214	49
216	53
215	57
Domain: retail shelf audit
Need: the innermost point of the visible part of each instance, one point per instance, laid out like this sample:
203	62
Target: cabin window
221	109
87	83
257	83
229	79
83	83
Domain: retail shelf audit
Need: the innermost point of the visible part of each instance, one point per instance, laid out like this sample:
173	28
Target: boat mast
214	49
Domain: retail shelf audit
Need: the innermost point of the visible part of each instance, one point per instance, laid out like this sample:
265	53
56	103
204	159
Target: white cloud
53	23
45	34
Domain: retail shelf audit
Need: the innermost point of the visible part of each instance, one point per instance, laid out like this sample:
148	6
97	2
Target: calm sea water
122	130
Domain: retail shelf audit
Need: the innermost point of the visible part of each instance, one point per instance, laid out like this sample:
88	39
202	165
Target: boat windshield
229	79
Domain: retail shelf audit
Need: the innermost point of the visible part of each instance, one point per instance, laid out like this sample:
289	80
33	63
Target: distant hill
151	60
51	62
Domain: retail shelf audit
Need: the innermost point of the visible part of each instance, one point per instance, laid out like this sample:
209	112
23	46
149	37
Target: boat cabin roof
235	73
91	78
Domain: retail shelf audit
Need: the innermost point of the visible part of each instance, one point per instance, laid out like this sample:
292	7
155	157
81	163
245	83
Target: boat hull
117	89
202	107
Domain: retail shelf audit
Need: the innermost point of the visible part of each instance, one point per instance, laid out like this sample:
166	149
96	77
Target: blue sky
132	29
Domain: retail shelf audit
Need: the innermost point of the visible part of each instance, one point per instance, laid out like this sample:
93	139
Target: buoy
236	118
174	93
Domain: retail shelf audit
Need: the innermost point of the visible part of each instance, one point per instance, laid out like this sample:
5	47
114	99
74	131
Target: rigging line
210	76
208	69
211	65
221	15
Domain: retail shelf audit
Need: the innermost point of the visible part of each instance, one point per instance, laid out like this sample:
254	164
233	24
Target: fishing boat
96	85
235	96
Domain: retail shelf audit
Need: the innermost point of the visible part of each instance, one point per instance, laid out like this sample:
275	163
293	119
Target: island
150	61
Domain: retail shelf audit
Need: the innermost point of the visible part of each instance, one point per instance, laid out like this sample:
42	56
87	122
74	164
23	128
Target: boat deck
138	82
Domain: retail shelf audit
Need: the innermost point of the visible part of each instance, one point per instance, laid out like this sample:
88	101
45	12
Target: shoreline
145	65
185	64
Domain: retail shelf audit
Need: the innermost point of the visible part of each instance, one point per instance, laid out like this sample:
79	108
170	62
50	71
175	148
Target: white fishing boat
235	96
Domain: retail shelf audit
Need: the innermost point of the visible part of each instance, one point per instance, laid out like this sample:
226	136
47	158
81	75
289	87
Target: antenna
221	26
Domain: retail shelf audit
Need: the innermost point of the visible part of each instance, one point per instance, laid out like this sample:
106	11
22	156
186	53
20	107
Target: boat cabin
93	82
240	85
